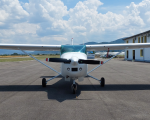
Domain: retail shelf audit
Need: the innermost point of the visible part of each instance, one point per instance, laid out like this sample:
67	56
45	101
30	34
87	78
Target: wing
37	47
117	46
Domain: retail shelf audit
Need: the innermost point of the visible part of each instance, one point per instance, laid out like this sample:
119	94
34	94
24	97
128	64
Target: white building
142	54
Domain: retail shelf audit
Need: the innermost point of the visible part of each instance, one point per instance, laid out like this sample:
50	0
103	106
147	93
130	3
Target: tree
15	54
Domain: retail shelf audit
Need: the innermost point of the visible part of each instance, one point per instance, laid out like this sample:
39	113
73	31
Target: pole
107	52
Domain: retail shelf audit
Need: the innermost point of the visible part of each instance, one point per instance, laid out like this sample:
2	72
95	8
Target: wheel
74	88
102	82
44	82
74	91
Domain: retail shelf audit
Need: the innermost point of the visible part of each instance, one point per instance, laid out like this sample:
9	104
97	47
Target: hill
9	52
112	42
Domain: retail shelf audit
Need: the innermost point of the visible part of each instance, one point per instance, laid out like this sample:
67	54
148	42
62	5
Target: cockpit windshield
73	48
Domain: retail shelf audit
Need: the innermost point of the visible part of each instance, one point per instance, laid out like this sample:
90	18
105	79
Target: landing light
68	69
80	68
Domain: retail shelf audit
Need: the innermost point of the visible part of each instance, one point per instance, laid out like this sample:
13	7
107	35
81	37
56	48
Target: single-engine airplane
73	58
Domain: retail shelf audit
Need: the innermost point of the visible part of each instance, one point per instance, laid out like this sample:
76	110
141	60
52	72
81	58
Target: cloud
137	17
48	14
86	21
45	10
110	26
148	16
11	12
3	15
42	21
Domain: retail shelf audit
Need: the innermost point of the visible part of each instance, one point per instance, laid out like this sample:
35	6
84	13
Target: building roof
137	35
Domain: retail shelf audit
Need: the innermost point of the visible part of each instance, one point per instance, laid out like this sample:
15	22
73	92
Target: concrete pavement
125	96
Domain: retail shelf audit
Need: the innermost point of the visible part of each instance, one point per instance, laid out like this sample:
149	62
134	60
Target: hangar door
133	54
127	54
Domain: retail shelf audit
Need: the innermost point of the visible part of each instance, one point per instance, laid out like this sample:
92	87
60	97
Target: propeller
58	60
88	61
80	61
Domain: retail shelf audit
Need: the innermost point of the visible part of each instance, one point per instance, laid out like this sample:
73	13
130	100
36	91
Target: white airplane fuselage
74	70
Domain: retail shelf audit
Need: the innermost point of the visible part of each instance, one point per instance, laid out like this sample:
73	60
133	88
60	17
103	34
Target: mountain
45	52
9	52
90	43
117	41
112	42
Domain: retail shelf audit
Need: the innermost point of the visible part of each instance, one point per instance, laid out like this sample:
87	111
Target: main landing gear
102	82
74	87
44	82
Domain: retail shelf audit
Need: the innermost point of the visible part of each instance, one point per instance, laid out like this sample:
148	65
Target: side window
141	52
139	40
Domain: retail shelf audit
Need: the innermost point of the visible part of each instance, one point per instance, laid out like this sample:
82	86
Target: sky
57	21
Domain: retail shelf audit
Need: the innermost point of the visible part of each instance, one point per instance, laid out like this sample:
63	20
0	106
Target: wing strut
104	62
40	61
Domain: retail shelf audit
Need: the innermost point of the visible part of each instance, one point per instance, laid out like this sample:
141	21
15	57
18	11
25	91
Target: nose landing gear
74	87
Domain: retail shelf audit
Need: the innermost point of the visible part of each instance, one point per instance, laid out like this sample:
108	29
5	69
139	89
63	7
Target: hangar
142	54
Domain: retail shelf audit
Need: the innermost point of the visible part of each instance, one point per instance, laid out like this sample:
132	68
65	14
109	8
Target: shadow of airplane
61	90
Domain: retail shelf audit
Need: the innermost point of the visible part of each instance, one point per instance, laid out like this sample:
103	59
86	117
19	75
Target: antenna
83	41
72	41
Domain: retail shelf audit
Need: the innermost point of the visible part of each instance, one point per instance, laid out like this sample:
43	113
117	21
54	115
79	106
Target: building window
133	41
139	40
127	41
145	39
141	52
127	54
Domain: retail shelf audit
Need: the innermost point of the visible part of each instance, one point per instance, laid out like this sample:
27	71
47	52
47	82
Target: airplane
73	58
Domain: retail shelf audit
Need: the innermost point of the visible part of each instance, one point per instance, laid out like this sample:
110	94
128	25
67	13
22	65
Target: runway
125	96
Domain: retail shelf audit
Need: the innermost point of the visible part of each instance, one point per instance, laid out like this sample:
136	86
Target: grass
120	56
13	56
25	58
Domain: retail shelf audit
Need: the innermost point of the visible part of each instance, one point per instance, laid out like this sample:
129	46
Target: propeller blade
88	61
58	60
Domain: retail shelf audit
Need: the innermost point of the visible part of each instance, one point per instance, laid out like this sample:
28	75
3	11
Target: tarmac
126	95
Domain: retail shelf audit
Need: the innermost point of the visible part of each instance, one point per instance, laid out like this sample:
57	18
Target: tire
74	88
74	91
44	82
102	82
